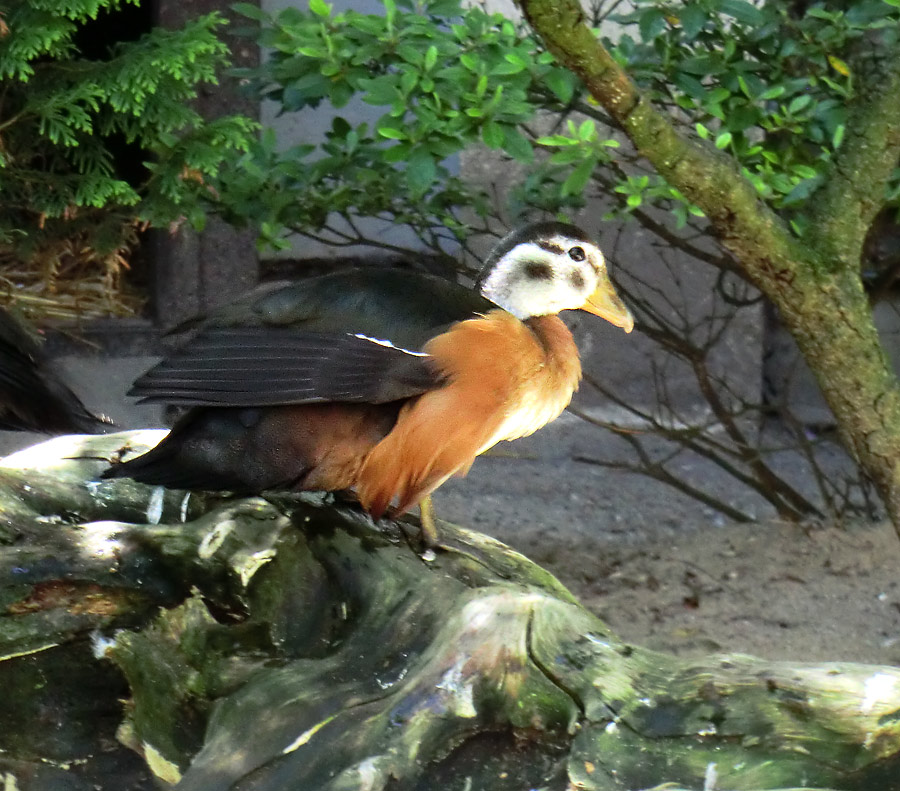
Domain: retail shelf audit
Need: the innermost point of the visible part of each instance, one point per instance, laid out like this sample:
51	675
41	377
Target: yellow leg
429	533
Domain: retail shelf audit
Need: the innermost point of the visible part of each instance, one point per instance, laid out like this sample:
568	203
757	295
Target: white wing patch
387	343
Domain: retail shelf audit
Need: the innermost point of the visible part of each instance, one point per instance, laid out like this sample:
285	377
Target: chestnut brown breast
504	379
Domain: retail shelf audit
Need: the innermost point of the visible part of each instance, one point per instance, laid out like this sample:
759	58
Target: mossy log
153	639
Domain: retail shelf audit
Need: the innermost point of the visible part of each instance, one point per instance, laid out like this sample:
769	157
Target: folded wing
273	366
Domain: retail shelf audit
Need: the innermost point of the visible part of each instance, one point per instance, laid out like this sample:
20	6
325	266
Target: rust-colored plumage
505	379
383	383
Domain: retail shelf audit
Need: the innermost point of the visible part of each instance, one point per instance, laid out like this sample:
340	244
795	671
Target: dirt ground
668	573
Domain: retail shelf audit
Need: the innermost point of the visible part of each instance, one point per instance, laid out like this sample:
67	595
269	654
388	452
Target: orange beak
607	304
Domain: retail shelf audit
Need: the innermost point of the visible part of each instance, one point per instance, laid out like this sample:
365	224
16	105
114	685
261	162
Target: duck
380	382
33	397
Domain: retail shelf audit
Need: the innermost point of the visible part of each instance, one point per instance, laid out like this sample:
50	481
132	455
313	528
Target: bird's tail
180	461
33	397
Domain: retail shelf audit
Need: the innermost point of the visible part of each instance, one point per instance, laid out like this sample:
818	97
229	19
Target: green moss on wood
396	672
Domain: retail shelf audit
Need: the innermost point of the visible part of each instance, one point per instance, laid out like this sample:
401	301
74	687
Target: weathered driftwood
290	643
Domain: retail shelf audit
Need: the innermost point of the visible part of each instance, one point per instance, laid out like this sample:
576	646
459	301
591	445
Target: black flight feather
270	366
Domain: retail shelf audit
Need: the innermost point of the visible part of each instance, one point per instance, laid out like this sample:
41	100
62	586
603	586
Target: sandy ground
668	573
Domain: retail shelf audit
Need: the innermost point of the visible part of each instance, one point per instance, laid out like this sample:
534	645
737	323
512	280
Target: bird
382	382
33	397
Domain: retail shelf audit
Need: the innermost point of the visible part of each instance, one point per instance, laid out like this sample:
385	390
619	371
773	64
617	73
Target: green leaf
562	83
741	118
692	18
821	13
320	8
397	153
305	91
799	103
723	140
505	69
690	85
516	59
392	133
805	171
744	12
701	65
567	156
717	95
577	180
800	192
408	81
421	171
492	134
716	111
410	54
431	57
251	11
652	22
772	93
839	130
557	140
443	8
341	93
516	144
382	90
471	62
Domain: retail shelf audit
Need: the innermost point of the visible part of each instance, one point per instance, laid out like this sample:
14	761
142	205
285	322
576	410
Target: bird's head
547	267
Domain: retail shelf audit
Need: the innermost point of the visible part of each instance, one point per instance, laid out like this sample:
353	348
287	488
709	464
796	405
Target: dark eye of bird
576	253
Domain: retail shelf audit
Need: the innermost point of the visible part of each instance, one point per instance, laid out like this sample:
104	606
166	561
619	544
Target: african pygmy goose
379	381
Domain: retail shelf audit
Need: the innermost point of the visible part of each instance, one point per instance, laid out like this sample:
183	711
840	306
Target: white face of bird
548	267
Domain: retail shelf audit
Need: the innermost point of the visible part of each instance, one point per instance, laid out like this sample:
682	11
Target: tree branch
853	193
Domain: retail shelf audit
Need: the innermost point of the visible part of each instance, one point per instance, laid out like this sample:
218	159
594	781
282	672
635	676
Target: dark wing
32	396
270	366
406	307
